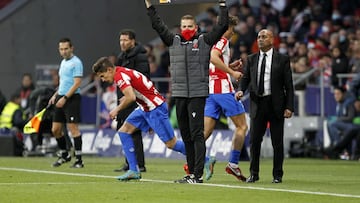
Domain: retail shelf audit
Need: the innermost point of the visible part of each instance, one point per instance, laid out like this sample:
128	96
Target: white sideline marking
164	181
49	183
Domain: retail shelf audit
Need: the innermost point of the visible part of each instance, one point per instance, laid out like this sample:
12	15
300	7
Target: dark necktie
261	78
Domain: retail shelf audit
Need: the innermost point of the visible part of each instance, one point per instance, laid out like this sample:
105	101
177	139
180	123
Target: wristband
65	97
222	2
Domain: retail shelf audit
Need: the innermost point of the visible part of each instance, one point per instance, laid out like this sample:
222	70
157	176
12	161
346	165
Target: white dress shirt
267	87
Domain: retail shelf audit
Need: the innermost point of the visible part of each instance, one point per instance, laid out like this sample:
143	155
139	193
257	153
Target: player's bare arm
128	98
215	58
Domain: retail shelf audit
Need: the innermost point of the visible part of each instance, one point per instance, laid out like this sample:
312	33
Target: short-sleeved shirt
220	81
69	69
147	96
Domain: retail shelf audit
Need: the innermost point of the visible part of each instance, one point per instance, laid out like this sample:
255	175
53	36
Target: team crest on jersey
195	45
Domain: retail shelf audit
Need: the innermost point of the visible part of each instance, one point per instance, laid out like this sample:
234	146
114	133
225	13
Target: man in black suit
268	79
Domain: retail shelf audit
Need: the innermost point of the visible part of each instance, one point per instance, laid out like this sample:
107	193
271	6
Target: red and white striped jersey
147	96
220	81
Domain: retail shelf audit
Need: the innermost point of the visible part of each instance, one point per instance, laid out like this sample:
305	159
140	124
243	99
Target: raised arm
148	3
158	24
220	28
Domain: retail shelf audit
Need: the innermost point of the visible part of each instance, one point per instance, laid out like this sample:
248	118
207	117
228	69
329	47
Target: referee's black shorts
70	112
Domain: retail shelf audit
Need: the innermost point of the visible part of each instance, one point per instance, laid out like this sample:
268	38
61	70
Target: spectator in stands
295	48
149	49
12	114
340	64
27	86
314	56
153	65
343	40
245	11
345	113
268	15
234	10
283	49
333	40
212	14
245	37
205	25
189	59
132	55
354	62
67	101
325	65
346	141
151	114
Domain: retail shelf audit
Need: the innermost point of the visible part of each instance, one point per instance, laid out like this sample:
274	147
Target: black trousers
346	139
136	136
190	116
265	113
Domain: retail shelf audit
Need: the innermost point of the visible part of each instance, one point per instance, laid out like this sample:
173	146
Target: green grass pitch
305	180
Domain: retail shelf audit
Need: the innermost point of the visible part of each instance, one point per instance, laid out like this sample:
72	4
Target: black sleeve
288	84
142	64
245	80
158	24
18	120
34	97
351	113
219	29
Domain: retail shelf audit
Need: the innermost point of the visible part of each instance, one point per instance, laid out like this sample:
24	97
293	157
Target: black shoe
331	153
277	180
142	169
189	179
63	158
77	164
252	179
123	169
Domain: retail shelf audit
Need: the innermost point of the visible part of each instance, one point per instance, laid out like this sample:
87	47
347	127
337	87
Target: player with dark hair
151	114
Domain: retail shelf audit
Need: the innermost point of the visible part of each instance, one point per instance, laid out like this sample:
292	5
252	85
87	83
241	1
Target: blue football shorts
157	119
226	103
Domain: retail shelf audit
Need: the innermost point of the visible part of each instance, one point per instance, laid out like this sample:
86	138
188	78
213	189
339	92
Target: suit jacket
281	83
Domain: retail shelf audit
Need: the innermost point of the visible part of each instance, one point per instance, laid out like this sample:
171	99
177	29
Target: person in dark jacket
345	113
340	64
133	56
189	70
346	140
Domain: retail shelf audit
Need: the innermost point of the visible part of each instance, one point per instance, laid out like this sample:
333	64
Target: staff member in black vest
268	79
189	70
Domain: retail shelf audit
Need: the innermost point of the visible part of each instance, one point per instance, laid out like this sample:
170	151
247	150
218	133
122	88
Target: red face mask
188	34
